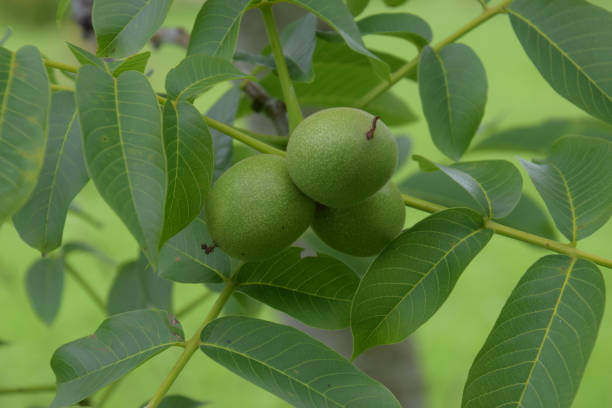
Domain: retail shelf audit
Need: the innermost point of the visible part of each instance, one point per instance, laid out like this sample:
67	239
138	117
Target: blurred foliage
30	11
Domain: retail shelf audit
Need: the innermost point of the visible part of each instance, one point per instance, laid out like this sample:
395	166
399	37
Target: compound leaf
41	221
121	343
412	277
453	89
538	349
291	365
316	290
122	133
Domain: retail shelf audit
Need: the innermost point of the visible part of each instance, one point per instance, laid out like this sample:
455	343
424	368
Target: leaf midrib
145	4
570	202
270	284
9	83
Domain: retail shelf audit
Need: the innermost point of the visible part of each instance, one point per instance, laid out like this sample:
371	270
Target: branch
412	65
193	304
32	389
192	345
86	287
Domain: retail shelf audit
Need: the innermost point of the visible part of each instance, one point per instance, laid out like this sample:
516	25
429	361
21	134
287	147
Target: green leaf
412	277
574	181
358	264
542	340
198	73
122	132
7	34
45	285
496	185
178	401
338	17
570	43
439	188
356	7
136	62
453	88
316	290
538	138
182	258
224	110
330	88
136	286
189	154
41	221
215	31
402	25
404	147
124	26
77	246
121	343
291	365
85	57
24	106
61	10
299	40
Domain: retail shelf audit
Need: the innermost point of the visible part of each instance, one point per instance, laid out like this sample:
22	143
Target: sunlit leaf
412	277
24	105
122	133
453	88
45	286
136	62
198	73
291	365
124	26
496	185
402	25
574	181
215	31
316	290
137	286
182	258
570	43
85	57
189	154
121	343
41	221
542	340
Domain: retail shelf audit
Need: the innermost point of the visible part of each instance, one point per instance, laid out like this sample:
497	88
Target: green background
446	344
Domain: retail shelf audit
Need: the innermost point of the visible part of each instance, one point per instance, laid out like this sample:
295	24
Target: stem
32	389
280	141
412	65
193	304
566	249
192	345
85	286
293	106
61	66
55	87
243	137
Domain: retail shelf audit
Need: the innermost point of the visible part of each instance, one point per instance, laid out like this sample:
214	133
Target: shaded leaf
40	222
198	73
316	290
496	185
453	89
178	401
542	340
85	57
402	25
215	31
291	365
570	43
182	258
404	147
24	105
575	185
190	161
45	285
412	277
440	189
122	134
77	246
136	62
299	40
356	7
137	286
121	343
336	15
224	110
124	26
538	138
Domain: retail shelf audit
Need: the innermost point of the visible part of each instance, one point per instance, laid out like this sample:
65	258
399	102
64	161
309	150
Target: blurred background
445	346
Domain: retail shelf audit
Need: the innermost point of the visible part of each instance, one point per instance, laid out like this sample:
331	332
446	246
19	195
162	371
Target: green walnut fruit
395	3
341	156
254	210
366	228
